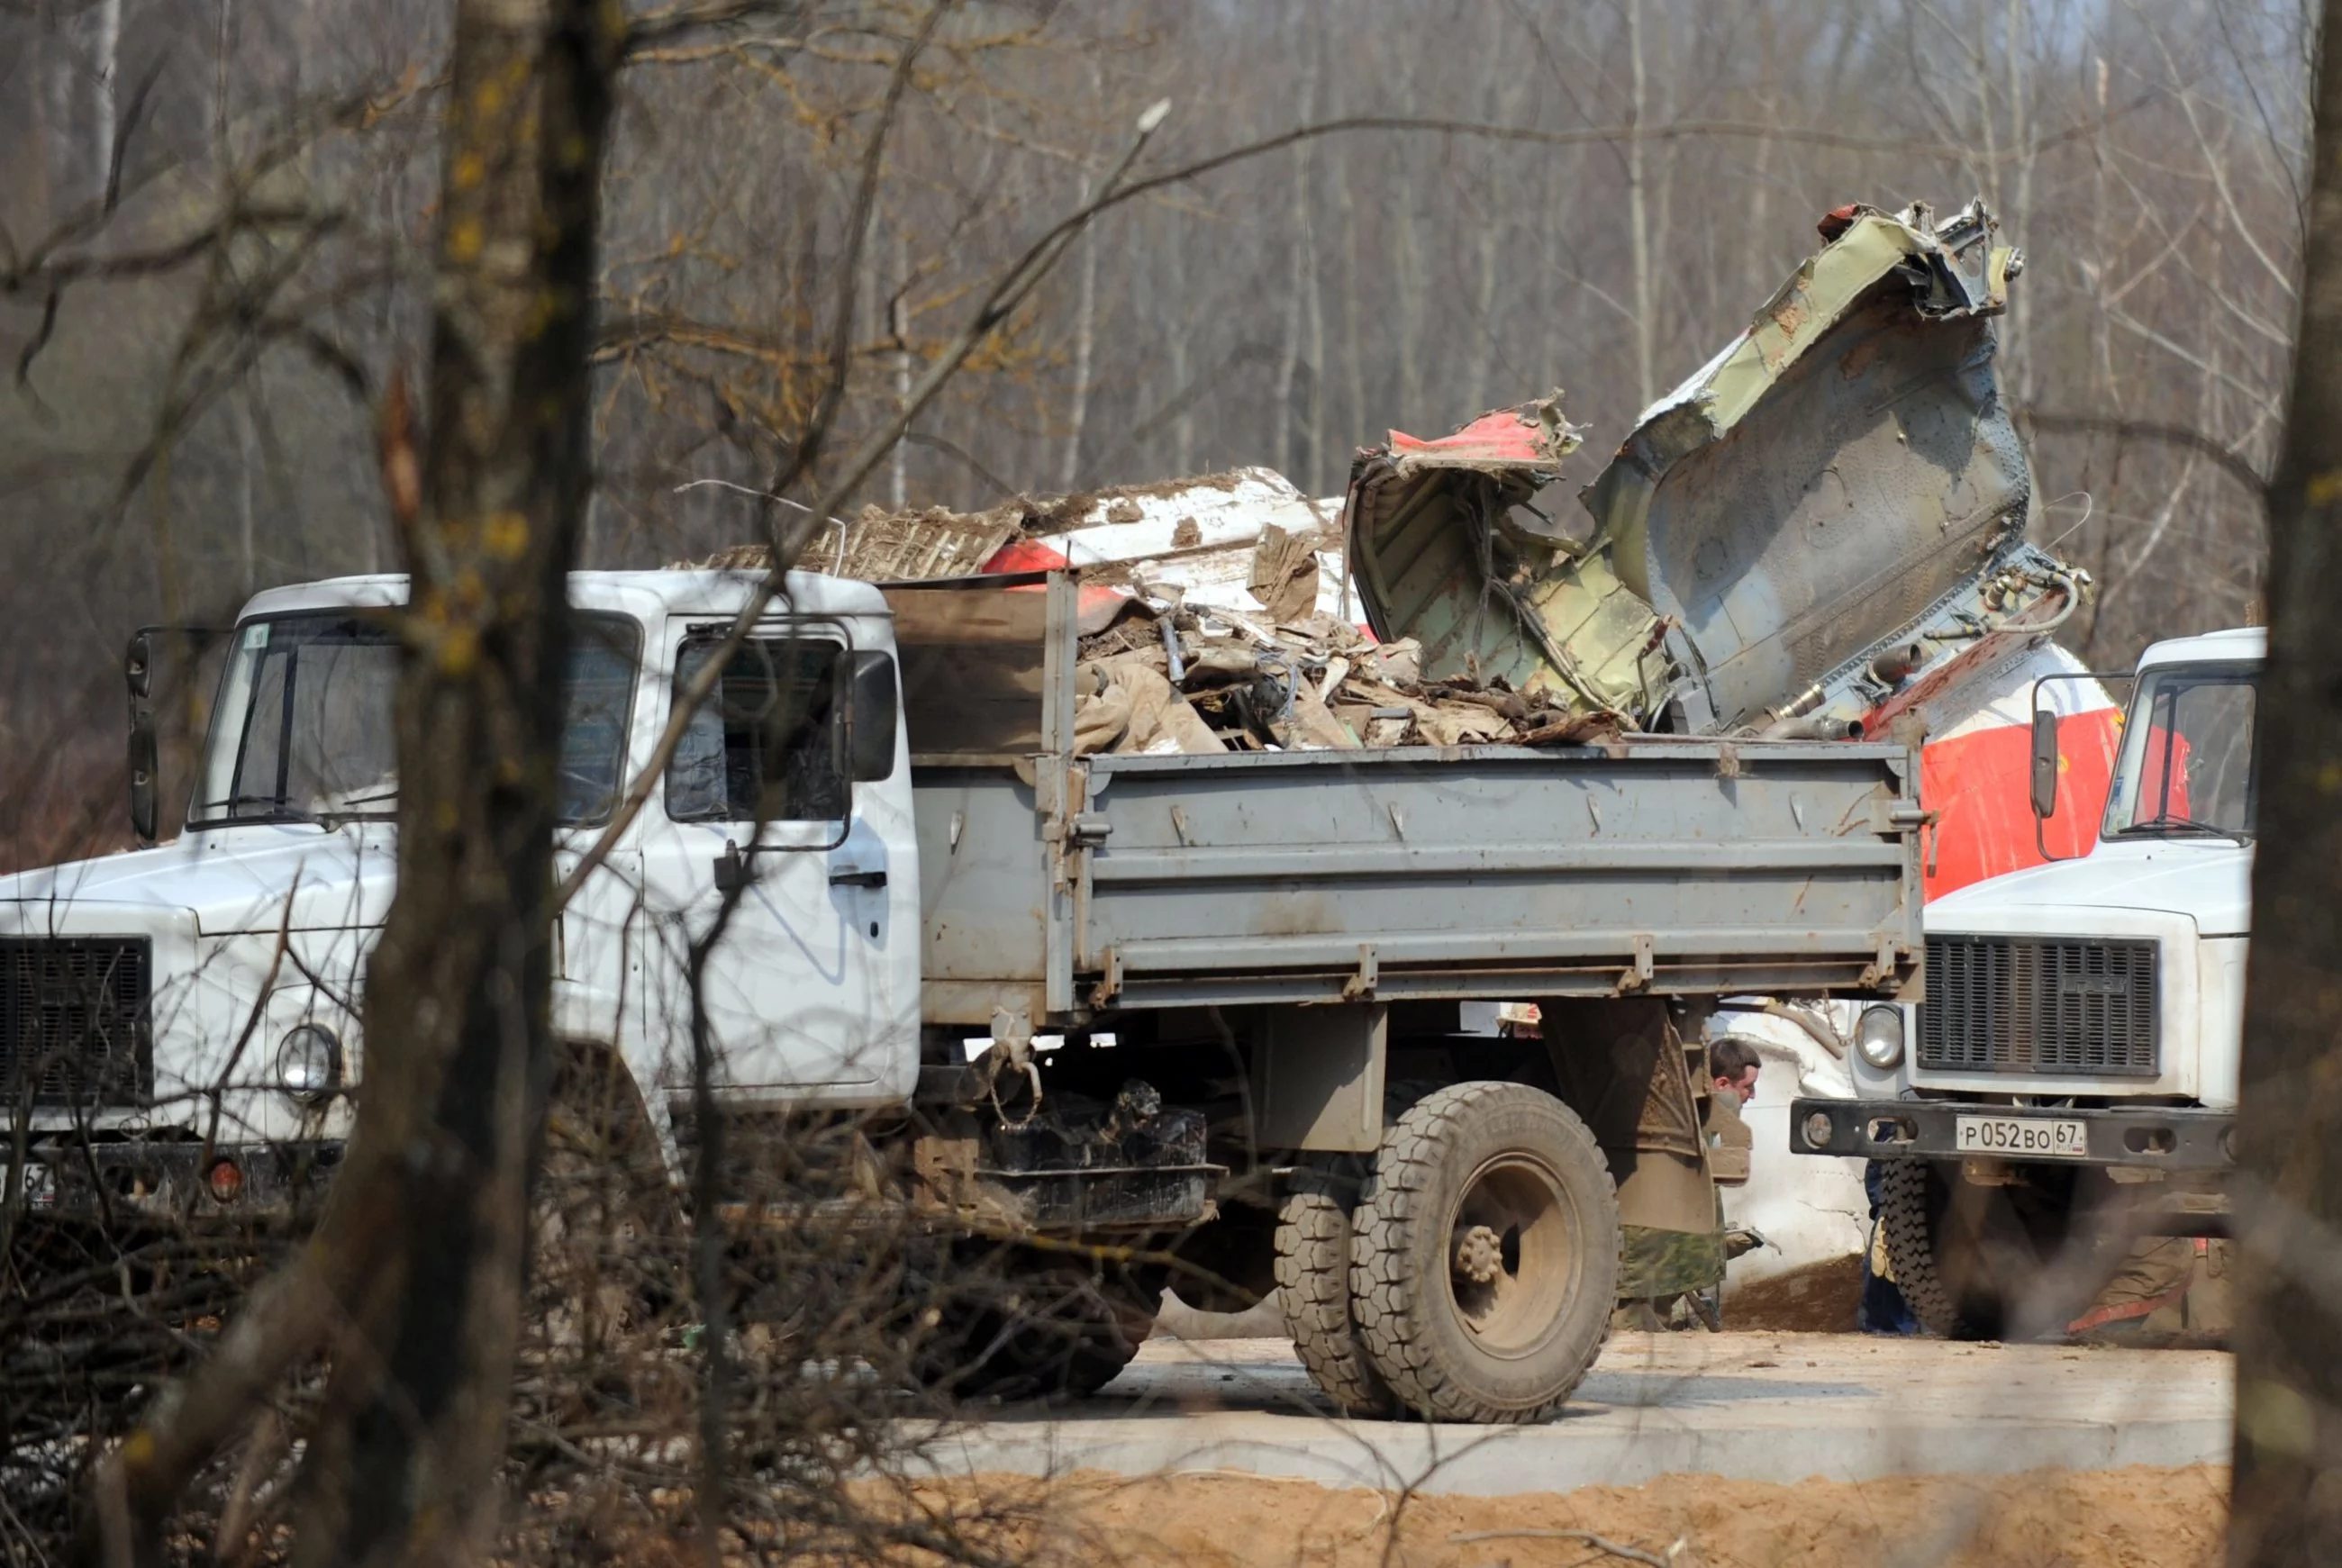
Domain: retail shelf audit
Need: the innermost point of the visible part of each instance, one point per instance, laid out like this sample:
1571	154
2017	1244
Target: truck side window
604	652
765	738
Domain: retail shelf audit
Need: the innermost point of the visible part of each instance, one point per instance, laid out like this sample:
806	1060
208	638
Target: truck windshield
304	729
2187	767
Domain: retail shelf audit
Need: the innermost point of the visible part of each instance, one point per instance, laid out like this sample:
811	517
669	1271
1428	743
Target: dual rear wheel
1466	1273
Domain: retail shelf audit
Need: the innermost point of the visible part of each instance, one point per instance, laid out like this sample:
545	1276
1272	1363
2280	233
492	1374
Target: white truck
1274	941
2070	1080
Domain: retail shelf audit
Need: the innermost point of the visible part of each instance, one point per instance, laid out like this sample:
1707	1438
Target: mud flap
1621	1065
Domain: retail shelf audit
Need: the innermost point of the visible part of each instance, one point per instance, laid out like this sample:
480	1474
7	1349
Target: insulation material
1313	685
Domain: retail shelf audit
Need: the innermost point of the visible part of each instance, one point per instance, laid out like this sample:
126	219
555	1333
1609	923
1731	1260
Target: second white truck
2070	1082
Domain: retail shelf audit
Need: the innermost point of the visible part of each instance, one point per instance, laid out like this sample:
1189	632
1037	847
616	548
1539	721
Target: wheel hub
1479	1255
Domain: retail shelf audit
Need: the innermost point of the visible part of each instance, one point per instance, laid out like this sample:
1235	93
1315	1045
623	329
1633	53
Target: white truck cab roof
2206	879
684	592
2238	645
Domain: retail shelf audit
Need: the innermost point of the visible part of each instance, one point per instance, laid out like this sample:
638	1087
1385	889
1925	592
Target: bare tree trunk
2287	1506
247	468
1288	361
2108	393
1406	301
1356	417
1084	347
457	994
2016	331
1313	477
412	1281
1638	219
105	57
1182	429
898	323
223	52
43	66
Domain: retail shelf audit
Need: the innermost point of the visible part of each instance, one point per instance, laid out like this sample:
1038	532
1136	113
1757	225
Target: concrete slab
1751	1406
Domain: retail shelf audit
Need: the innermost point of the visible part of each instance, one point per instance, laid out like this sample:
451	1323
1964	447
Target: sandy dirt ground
2136	1518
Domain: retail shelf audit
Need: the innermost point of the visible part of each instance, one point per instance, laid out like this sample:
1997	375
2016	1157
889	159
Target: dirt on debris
2136	1518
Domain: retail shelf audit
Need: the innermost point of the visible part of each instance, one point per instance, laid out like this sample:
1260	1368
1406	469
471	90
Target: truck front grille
2065	1005
75	1025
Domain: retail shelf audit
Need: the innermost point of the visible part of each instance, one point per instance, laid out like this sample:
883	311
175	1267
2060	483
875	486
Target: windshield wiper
278	807
2186	824
343	810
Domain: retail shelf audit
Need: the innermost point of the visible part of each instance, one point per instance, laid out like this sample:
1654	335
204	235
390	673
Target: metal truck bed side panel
1470	872
984	894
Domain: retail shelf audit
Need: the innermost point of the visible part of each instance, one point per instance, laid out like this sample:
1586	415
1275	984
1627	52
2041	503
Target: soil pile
2134	1518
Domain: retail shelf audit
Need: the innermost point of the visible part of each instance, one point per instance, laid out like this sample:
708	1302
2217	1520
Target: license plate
2032	1137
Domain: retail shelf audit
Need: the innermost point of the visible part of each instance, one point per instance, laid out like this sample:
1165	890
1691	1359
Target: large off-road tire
1487	1254
1057	1331
605	1228
1313	1287
1313	1243
1985	1262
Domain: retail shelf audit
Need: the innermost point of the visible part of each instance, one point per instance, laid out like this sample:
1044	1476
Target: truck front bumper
136	1181
2152	1137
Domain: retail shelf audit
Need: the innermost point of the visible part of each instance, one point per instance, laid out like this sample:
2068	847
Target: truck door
592	979
813	986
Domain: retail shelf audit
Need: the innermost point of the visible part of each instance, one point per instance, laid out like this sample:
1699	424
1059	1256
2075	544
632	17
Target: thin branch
965	458
2230	460
654	28
1583	1537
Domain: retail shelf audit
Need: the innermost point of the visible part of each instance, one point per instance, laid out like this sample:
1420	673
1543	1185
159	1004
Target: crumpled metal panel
1846	462
1823	483
1449	549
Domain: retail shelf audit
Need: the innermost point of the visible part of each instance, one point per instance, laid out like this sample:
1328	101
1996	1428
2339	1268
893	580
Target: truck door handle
858	879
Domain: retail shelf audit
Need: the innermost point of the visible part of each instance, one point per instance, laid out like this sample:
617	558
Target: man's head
1732	1065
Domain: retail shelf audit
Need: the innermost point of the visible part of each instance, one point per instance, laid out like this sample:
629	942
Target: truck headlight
1879	1035
309	1062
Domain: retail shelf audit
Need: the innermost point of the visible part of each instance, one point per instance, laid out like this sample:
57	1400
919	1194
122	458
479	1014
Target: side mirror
138	668
146	764
871	713
2045	761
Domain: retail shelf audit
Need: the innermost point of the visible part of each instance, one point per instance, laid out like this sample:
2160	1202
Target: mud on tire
1486	1254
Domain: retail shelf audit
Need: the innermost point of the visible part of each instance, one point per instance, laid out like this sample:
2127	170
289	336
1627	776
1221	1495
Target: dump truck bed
1067	887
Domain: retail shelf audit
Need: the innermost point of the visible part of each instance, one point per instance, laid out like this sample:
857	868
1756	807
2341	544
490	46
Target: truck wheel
1970	1259
1485	1255
1062	1331
604	1229
1312	1286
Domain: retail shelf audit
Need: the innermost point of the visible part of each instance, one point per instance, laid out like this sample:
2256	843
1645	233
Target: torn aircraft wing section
1841	473
1847	462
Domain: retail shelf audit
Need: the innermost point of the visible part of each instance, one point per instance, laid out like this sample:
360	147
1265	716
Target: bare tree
2288	1488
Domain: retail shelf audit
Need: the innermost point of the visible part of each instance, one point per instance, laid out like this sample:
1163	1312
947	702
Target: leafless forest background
217	215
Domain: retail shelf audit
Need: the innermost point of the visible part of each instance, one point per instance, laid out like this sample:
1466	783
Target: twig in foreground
1584	1537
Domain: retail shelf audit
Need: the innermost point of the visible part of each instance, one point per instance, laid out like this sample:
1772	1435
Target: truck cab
2076	1053
180	1028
